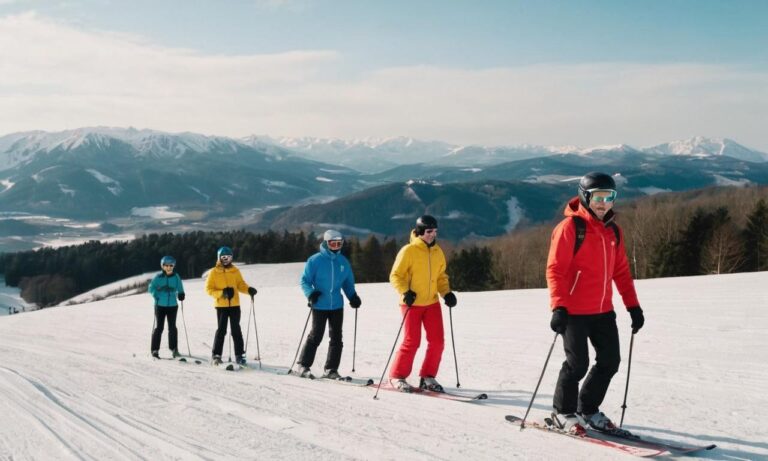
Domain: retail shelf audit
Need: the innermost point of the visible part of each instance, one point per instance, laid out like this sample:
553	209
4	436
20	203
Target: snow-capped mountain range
139	180
376	155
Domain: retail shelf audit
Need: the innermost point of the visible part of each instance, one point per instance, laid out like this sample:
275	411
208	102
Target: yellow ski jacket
221	277
421	269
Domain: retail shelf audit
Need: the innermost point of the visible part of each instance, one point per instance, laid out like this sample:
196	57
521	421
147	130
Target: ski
349	381
447	395
621	434
179	359
644	452
621	440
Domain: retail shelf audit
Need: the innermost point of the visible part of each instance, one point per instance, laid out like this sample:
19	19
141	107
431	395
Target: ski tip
513	419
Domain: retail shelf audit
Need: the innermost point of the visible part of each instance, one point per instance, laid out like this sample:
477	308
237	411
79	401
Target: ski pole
626	388
184	322
300	340
256	333
453	343
535	391
230	345
354	343
248	330
405	315
154	323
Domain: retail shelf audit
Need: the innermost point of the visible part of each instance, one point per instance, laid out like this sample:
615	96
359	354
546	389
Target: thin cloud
54	76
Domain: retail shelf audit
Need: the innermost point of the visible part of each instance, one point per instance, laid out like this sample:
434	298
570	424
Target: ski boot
429	383
401	385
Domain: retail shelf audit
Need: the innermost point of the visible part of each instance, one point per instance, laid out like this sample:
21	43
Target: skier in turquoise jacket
326	274
166	288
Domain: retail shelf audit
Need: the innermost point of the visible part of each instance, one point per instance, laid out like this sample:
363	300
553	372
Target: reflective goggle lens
335	243
606	195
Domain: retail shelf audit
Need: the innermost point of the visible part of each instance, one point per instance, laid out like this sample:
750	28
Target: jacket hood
415	239
325	251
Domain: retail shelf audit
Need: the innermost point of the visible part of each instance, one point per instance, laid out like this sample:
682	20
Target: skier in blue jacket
326	273
166	287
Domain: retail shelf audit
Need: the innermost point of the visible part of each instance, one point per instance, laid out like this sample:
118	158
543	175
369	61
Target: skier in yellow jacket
418	274
224	283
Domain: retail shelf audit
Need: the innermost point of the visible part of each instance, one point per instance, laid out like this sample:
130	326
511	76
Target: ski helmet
167	260
425	222
592	181
332	235
224	251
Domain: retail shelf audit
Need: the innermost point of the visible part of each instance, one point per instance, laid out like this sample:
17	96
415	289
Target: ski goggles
168	265
335	243
606	195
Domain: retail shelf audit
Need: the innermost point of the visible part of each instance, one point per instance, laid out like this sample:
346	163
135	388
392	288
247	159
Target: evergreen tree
755	237
472	269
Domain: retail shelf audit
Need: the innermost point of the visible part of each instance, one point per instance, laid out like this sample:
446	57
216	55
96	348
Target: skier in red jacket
580	274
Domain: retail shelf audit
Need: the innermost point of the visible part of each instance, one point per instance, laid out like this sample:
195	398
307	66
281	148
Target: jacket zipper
429	272
575	281
333	282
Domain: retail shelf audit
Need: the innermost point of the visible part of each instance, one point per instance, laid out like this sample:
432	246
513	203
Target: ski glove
252	292
355	302
409	297
638	319
228	292
559	320
313	297
450	299
181	296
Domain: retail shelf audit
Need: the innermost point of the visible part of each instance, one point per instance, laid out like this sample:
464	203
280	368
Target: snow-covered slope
77	382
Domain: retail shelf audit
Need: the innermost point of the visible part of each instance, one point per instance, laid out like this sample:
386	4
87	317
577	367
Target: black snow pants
162	313
231	315
601	331
335	319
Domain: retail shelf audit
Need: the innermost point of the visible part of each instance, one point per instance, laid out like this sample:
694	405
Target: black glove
638	319
354	301
559	320
313	297
409	297
450	299
228	292
252	291
181	296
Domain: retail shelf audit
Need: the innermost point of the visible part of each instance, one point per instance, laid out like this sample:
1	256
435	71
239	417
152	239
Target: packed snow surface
77	381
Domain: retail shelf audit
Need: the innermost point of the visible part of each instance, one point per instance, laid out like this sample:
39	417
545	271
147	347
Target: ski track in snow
77	382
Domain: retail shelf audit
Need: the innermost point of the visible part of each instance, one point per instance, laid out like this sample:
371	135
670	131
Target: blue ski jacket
165	288
328	273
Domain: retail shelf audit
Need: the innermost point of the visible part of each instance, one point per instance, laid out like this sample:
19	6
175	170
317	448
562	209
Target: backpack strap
581	232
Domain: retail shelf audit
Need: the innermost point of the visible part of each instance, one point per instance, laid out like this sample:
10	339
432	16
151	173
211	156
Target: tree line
48	276
709	231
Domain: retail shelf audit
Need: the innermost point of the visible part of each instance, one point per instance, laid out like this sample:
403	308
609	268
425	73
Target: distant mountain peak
700	146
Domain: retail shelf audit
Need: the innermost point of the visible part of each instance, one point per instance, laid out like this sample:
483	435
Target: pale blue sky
488	72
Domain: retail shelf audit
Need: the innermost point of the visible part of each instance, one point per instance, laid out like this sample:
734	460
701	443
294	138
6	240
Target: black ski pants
231	315
335	319
161	314
601	331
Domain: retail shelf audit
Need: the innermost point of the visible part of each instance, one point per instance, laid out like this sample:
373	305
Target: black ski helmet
594	180
425	222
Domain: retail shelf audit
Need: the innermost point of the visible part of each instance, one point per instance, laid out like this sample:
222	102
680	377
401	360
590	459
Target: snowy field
77	382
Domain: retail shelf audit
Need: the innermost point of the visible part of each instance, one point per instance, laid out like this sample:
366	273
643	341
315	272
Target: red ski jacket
583	282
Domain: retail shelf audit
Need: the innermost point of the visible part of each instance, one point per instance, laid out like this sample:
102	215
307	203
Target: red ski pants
432	318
